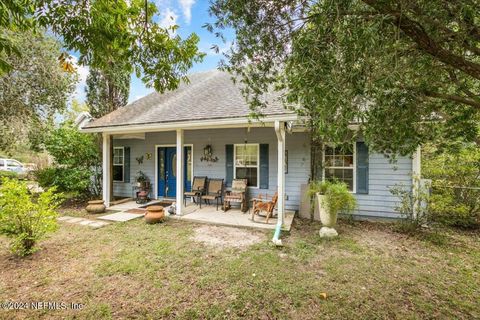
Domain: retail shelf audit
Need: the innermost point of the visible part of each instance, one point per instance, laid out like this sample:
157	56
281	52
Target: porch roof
209	98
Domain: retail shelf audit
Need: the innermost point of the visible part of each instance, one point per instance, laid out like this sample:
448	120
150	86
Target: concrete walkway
84	222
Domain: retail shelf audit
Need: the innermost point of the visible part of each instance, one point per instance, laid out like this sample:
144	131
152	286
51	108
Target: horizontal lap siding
297	145
382	176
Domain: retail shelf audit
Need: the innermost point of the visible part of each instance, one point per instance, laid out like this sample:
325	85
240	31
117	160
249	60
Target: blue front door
167	171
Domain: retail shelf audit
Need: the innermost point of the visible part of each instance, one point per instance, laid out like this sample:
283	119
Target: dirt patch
227	237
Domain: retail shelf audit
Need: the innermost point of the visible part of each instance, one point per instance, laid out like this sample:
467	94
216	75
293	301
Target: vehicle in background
14	166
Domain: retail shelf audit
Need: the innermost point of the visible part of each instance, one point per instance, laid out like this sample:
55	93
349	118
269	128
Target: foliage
7	174
107	90
23	219
337	198
141	177
455	176
77	162
413	205
34	92
395	67
107	31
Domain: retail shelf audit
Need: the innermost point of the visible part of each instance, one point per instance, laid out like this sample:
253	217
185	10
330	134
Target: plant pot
327	219
96	206
155	214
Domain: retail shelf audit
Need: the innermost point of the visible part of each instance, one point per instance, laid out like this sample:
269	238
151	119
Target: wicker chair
214	192
238	194
260	205
198	188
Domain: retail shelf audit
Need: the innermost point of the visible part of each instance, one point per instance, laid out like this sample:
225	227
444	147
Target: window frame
250	166
354	148
123	164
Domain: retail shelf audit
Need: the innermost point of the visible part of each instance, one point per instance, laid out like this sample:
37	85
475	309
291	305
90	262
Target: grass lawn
134	270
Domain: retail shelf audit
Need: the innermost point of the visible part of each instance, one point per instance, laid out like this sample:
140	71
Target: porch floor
208	214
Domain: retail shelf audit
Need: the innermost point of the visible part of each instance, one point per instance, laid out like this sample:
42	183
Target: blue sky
190	16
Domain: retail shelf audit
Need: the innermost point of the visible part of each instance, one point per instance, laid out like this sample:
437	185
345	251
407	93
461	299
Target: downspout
280	132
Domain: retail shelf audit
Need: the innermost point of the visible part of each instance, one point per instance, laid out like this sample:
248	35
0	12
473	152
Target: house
166	135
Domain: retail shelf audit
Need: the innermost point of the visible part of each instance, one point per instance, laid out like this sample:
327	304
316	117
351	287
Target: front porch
208	214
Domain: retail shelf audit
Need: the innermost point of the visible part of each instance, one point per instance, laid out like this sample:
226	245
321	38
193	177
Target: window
339	165
246	163
118	164
13	163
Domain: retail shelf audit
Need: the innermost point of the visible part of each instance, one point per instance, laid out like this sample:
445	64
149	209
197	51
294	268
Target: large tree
33	91
105	32
406	71
107	90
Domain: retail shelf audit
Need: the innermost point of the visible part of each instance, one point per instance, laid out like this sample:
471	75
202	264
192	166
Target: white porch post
416	176
280	131
180	170
106	159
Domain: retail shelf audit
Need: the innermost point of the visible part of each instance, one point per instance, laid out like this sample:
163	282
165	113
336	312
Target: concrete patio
209	214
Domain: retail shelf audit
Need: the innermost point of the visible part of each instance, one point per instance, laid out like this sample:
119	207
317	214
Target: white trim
354	185
180	181
123	164
156	164
196	124
106	192
250	166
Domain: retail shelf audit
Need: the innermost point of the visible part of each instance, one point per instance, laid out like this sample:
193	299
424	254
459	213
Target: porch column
280	131
106	165
180	171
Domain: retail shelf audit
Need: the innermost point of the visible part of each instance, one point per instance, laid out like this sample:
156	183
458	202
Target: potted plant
141	179
332	198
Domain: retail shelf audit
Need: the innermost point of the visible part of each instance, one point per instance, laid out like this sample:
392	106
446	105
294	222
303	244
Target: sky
190	16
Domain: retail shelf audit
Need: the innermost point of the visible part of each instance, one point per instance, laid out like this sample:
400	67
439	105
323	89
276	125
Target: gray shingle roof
209	95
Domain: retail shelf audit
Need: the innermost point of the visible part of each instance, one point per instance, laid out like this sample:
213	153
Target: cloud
186	6
82	72
168	18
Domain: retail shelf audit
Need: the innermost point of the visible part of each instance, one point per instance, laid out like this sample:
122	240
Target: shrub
413	206
455	176
8	174
24	219
71	180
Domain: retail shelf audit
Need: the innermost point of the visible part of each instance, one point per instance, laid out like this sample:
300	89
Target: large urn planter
328	219
155	214
96	206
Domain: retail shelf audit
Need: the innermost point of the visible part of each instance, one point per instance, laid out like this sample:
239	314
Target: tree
107	90
108	31
406	71
35	89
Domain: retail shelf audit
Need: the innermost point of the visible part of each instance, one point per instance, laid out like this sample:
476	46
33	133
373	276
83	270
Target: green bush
455	176
77	167
24	219
8	174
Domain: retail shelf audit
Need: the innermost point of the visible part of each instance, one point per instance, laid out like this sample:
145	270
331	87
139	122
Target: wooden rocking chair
260	205
237	195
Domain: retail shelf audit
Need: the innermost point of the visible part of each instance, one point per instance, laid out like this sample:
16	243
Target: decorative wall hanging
208	154
139	159
149	155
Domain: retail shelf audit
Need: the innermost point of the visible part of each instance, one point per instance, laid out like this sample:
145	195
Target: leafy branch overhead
107	31
406	71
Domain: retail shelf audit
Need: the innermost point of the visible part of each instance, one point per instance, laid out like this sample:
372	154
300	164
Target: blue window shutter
362	167
126	164
264	166
228	164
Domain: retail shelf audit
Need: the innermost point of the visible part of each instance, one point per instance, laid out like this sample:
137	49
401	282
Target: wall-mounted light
208	154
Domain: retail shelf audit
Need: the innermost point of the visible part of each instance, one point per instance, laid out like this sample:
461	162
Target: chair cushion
210	197
191	193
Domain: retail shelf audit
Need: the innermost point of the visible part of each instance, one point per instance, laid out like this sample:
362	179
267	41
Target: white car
14	166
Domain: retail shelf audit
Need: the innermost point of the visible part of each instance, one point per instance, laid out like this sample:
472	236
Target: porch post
280	131
180	170
106	164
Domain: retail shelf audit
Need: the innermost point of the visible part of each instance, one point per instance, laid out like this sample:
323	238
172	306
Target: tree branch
418	34
470	102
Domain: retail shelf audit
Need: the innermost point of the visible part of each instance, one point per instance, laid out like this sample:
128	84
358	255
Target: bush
455	176
8	174
70	180
23	219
